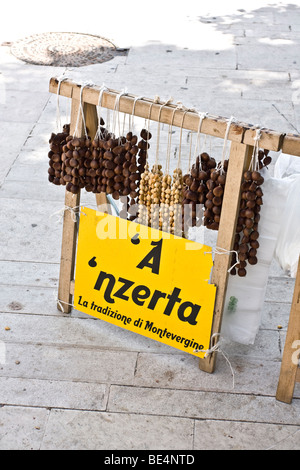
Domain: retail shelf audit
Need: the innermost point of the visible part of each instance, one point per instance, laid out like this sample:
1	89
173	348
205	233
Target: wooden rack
242	137
290	372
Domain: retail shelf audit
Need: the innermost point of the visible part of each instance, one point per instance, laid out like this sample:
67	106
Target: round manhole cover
64	49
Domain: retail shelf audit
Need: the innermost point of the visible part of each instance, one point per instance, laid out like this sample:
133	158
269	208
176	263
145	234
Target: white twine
224	153
60	302
202	116
73	210
254	160
102	89
117	112
131	117
169	101
80	110
58	117
216	348
167	170
185	110
223	251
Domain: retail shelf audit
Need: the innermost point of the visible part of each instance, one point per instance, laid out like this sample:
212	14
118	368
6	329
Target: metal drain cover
64	49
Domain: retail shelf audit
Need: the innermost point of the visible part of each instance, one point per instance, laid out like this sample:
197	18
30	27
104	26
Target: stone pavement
73	382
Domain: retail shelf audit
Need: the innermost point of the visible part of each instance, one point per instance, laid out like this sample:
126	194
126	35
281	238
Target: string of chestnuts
107	163
203	185
246	242
56	166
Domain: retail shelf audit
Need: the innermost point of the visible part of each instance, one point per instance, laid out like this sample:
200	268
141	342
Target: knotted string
202	116
169	101
85	84
131	117
185	110
223	251
224	153
102	89
169	142
117	112
216	348
254	160
73	211
58	116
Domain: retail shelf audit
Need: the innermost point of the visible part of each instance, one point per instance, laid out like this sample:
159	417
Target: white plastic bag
287	250
286	165
245	295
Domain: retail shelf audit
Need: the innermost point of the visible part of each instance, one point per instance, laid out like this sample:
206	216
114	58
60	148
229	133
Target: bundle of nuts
197	184
155	185
74	158
176	203
56	166
246	239
144	201
105	164
165	203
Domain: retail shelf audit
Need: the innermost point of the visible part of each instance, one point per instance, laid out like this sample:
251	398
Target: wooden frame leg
72	202
69	234
290	372
240	156
68	253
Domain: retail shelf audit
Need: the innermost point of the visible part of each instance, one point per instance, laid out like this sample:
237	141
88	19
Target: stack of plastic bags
279	229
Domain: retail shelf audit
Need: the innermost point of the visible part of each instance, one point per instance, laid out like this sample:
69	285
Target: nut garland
196	187
176	203
56	166
165	203
144	197
246	242
155	186
104	164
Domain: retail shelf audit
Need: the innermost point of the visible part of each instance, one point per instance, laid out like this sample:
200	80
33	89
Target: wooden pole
290	372
69	234
215	126
239	159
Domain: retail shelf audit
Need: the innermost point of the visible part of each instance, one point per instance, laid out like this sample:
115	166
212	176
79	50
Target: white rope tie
117	112
224	153
216	348
85	84
169	101
202	116
58	116
102	89
223	251
60	302
131	117
254	160
73	210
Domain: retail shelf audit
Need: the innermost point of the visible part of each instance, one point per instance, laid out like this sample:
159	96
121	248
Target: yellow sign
145	280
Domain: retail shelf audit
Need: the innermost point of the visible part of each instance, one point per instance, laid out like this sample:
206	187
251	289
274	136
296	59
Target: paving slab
201	405
230	435
61	394
45	362
74	430
22	428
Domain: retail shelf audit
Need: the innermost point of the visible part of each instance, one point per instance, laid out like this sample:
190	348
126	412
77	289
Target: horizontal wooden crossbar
215	126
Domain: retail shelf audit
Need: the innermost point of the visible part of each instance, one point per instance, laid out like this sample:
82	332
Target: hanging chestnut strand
198	185
246	242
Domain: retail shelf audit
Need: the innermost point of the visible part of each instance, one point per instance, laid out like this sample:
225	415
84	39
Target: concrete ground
73	382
